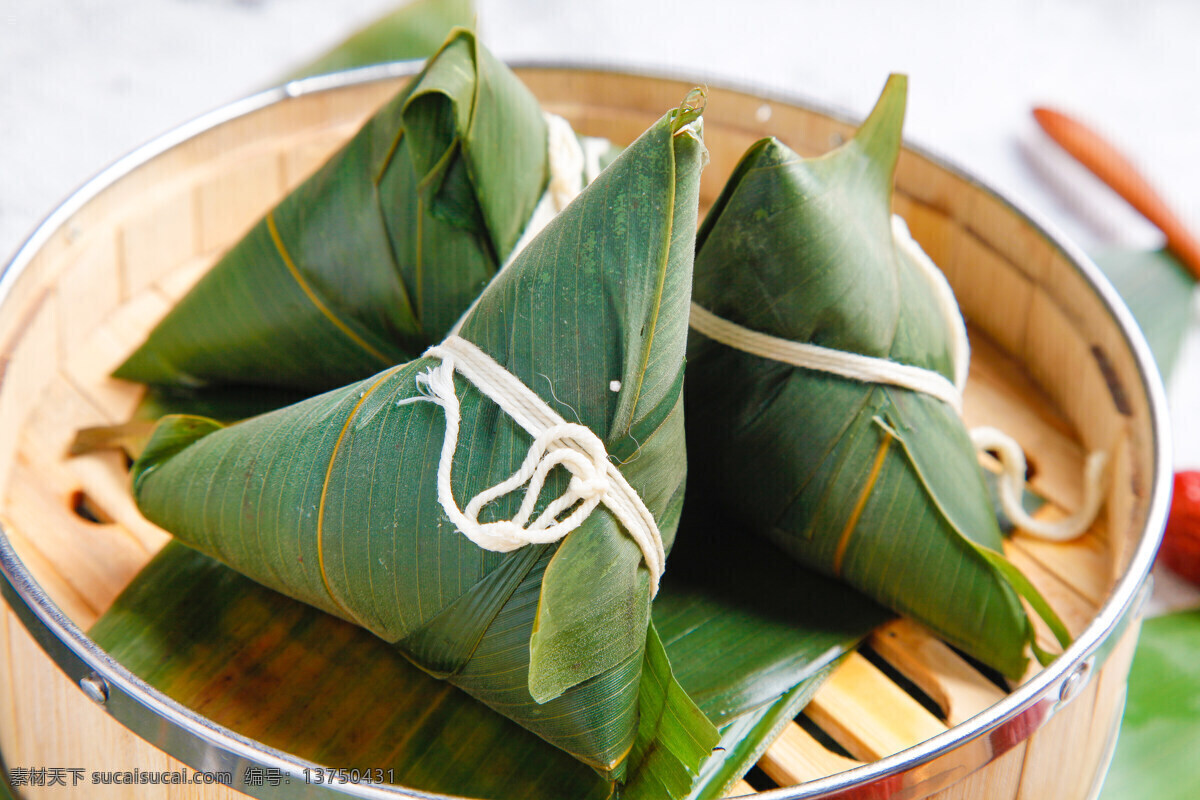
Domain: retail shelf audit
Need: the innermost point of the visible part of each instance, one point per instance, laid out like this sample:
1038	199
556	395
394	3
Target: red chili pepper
1180	549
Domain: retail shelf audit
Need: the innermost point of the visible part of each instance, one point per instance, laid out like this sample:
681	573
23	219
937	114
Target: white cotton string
960	346
573	164
854	366
594	148
869	369
567	162
556	442
1012	486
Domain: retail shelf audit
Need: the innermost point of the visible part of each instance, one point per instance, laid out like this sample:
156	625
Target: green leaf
374	257
952	479
1158	290
223	403
746	738
282	673
874	484
642	306
333	501
673	738
1156	750
414	30
749	634
171	436
773	623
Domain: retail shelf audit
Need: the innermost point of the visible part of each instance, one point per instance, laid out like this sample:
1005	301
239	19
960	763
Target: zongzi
825	372
377	255
354	501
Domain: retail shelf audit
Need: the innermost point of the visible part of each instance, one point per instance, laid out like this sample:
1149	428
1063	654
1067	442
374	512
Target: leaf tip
690	109
881	134
173	434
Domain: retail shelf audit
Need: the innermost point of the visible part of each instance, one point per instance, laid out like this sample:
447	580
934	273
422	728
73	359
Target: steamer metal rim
934	764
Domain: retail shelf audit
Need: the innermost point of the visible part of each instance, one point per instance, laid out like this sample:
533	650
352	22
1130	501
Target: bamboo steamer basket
1057	361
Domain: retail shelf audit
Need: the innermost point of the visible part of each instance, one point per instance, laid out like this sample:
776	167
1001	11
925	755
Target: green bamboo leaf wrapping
747	737
414	30
334	501
875	484
731	612
374	257
222	403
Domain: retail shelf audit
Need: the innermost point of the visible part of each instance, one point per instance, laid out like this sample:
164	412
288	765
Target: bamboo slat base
1049	365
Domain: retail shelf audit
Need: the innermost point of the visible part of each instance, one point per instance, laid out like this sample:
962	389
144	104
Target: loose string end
1012	488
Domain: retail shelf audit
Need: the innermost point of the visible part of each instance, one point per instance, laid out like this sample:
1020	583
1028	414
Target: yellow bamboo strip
1082	563
178	282
869	715
300	161
89	289
232	199
797	757
89	366
95	560
1110	701
51	577
101	476
993	295
156	239
1084	376
60	727
957	687
23	370
1074	610
741	789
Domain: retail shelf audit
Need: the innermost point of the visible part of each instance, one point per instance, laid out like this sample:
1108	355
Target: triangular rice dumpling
863	479
375	256
338	501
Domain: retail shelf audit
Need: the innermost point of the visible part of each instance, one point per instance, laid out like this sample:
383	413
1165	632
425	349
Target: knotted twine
869	369
594	479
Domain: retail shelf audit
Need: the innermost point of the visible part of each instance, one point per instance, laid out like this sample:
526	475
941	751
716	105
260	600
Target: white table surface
84	81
